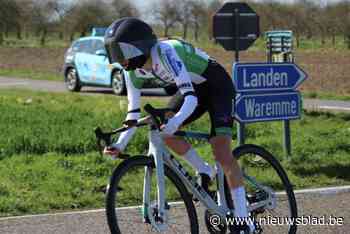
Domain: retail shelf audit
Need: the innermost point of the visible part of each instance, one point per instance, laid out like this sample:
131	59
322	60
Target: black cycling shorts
216	96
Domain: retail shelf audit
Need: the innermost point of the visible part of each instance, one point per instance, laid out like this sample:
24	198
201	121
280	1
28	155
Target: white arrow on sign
259	77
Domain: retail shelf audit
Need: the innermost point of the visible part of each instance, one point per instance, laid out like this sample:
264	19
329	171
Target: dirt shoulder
329	71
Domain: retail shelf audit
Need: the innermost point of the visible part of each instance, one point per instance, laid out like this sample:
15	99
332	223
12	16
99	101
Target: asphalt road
332	211
55	86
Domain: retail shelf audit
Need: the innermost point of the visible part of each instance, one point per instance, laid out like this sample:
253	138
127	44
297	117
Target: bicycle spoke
262	178
174	227
131	219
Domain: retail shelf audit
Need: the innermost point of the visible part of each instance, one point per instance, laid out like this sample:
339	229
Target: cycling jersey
176	61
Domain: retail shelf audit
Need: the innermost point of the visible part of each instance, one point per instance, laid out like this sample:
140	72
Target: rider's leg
183	148
179	145
222	98
222	151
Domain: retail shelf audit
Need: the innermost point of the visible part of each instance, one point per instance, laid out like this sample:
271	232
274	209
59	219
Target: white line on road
79	212
321	191
335	108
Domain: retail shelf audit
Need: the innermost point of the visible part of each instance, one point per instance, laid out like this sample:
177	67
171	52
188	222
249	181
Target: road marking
324	191
14	83
319	191
312	192
78	212
335	108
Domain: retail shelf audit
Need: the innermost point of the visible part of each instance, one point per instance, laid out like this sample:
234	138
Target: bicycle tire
144	161
247	149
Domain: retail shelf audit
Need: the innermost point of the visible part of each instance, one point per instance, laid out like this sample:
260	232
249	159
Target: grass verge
30	74
49	160
325	96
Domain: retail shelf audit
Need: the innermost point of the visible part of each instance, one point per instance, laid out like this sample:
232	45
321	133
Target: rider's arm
178	71
134	112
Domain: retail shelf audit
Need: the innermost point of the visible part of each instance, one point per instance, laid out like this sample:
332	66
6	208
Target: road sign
260	77
236	18
268	107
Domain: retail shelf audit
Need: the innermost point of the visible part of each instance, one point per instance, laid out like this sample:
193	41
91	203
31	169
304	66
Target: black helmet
129	39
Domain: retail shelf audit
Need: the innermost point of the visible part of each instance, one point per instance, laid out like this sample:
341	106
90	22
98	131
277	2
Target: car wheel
118	83
72	80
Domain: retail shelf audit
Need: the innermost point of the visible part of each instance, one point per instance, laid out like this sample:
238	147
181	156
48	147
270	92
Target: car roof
90	38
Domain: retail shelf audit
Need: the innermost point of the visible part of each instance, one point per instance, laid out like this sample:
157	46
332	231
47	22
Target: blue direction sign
262	77
267	107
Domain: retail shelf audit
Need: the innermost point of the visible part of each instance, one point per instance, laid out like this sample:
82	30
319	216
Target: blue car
86	64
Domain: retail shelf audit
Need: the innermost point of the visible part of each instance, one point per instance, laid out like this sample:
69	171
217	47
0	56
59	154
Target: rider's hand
171	127
111	151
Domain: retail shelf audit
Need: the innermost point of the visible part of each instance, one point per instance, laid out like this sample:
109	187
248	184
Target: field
49	160
328	69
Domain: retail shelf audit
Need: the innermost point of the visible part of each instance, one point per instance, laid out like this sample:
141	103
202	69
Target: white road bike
156	194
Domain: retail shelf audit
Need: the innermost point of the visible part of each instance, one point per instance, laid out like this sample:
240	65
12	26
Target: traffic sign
233	21
260	77
268	107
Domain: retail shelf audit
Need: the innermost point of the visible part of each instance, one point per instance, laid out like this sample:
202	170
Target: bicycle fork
155	213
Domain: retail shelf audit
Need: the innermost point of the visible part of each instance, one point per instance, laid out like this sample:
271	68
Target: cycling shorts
216	95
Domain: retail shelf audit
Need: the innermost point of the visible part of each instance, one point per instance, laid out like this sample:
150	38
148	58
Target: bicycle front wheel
263	177
124	202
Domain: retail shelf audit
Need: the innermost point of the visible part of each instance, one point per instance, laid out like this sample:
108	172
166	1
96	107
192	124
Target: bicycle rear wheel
124	209
262	170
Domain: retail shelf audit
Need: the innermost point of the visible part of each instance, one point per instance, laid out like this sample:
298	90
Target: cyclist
203	85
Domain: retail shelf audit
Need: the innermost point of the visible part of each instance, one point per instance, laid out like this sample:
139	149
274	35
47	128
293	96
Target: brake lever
130	123
101	136
150	110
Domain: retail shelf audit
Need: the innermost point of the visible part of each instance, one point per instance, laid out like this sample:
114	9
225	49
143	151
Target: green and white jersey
173	61
165	66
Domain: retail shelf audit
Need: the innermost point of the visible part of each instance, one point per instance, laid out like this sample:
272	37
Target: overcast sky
143	3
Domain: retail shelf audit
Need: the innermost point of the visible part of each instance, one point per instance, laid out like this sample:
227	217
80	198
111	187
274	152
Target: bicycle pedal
167	206
257	196
146	220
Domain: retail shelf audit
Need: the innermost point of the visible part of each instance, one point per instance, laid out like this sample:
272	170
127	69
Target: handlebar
156	118
159	115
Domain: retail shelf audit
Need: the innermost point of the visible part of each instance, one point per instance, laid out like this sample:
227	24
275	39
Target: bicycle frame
161	155
157	216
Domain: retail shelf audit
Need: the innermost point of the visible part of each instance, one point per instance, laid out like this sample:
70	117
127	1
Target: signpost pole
240	126
286	123
286	138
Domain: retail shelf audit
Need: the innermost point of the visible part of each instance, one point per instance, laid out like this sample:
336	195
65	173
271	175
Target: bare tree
9	14
85	15
123	8
199	11
342	10
185	15
60	8
346	24
38	16
168	13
